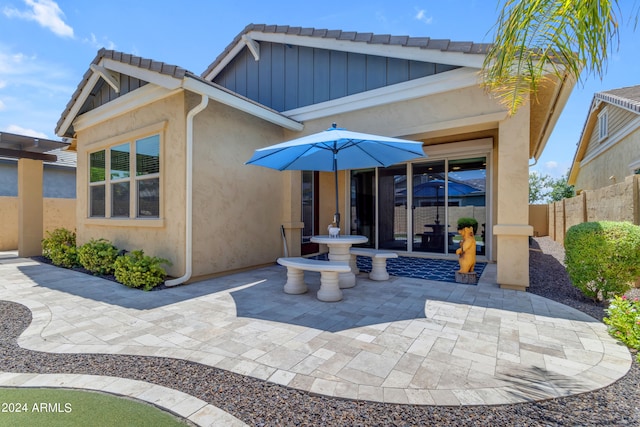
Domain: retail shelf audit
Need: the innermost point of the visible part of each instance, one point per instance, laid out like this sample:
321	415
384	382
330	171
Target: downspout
189	209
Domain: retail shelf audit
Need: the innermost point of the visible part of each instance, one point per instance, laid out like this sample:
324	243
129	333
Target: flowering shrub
624	321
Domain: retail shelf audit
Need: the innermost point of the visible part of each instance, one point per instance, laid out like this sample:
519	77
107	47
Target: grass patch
61	407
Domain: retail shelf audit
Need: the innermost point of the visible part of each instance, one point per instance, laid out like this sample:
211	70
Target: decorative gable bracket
109	76
253	46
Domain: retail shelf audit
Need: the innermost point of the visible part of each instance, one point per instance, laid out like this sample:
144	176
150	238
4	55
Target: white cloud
24	131
20	70
95	43
421	15
551	164
2	106
47	13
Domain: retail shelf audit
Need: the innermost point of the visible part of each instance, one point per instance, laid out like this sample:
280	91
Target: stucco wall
612	162
238	209
58	213
163	237
57	181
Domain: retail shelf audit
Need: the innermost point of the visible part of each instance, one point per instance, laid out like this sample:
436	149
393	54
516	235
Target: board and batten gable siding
103	93
617	120
288	77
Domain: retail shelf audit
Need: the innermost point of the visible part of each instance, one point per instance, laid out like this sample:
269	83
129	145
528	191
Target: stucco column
512	229
30	207
292	211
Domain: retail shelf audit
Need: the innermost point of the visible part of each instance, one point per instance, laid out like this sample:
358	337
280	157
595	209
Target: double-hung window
124	180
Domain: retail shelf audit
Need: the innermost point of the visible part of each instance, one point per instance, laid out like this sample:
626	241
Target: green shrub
98	256
60	248
624	321
603	258
138	270
468	222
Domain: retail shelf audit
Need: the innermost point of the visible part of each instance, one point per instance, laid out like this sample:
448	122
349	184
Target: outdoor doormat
441	270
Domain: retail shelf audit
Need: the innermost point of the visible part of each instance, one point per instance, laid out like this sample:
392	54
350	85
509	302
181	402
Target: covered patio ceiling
27	147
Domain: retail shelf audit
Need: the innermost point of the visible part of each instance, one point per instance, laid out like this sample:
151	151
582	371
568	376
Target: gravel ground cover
263	404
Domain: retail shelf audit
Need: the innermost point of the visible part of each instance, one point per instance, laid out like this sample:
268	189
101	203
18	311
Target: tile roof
152	65
626	97
66	158
444	45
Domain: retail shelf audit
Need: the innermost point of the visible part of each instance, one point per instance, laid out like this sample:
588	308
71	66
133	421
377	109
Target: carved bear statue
467	251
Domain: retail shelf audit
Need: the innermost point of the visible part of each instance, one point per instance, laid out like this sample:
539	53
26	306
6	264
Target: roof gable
626	98
112	75
287	68
288	77
424	49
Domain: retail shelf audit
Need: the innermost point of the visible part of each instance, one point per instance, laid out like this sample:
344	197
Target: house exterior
609	146
161	150
58	180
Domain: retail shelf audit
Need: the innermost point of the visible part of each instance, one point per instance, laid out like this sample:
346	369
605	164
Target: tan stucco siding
430	116
57	213
237	208
164	237
613	161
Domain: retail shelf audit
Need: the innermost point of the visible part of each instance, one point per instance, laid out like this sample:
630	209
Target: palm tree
536	39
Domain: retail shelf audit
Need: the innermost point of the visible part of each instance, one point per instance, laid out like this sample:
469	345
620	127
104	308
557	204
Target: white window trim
106	145
603	124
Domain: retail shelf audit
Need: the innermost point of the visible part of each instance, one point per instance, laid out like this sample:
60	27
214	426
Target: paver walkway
403	341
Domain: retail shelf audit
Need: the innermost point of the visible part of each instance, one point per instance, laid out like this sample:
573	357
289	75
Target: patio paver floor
403	341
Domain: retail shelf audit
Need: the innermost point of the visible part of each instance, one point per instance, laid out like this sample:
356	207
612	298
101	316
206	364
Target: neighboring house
161	150
58	178
609	146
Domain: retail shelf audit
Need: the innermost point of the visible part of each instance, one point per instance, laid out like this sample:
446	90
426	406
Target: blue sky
46	47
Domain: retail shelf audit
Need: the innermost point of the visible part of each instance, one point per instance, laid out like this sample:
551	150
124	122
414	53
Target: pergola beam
21	154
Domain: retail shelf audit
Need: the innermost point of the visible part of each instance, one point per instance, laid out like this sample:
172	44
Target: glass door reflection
392	219
429	212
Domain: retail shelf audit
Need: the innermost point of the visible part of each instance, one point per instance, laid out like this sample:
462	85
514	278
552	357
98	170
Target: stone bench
329	288
378	261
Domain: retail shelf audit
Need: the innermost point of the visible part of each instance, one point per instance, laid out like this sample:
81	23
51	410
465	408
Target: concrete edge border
176	402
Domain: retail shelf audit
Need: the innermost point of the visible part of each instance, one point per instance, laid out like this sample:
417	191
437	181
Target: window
124	180
603	124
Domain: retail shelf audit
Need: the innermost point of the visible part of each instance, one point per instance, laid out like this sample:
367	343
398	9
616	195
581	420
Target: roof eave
170	84
563	91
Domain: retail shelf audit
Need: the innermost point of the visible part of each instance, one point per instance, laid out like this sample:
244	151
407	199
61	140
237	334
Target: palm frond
536	39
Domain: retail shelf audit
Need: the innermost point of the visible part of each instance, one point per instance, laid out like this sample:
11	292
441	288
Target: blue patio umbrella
336	149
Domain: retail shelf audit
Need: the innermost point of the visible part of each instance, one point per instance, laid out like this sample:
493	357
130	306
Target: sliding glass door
392	208
424	219
429	216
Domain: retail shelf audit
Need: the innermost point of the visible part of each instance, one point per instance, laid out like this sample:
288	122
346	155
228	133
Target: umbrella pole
336	217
